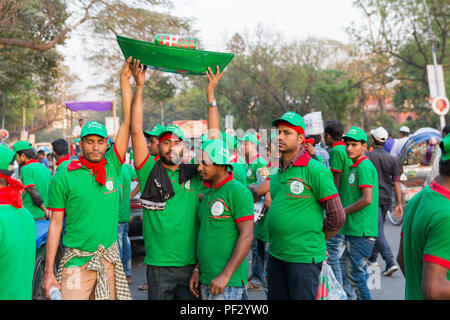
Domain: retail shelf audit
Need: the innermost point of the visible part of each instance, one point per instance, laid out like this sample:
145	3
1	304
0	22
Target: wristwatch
212	104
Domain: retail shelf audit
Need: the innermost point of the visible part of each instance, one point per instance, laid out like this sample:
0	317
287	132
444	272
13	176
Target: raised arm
123	135
140	150
213	112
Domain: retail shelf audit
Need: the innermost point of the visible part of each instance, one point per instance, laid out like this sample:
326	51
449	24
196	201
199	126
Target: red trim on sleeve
244	218
335	170
135	179
366	186
329	197
57	209
436	260
29	185
143	162
118	155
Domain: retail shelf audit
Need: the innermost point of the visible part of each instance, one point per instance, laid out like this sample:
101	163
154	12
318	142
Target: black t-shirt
388	171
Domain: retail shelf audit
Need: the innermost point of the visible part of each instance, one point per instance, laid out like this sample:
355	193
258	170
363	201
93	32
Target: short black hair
29	153
444	168
60	147
335	129
317	138
41	152
446	129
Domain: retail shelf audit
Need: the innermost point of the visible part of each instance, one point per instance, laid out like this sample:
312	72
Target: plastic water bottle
55	294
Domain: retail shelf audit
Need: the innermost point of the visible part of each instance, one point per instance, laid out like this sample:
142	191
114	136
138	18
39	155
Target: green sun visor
174	54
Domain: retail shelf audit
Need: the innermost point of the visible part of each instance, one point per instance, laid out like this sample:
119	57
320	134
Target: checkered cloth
102	291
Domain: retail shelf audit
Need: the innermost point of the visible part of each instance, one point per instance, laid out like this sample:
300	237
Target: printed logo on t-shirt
187	184
217	208
351	178
296	187
249	172
109	185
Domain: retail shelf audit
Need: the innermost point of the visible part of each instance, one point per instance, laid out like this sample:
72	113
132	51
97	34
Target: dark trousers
169	283
292	281
381	244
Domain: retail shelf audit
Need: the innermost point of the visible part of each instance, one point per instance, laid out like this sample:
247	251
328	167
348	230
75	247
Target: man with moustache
86	193
226	229
300	191
170	200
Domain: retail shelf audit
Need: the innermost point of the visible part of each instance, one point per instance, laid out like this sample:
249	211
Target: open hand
126	69
213	80
138	72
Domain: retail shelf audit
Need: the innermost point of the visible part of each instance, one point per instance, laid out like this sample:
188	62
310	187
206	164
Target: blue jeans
381	245
354	266
292	281
259	277
335	248
257	270
124	247
229	293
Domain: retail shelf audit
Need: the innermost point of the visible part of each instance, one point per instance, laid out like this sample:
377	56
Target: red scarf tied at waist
98	169
13	192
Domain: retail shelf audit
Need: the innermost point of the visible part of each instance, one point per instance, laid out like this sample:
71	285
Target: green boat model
170	53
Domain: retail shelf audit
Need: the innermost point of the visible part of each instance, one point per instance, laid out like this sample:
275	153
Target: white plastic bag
329	287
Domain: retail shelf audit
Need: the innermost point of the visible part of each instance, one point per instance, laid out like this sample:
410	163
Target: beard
171	160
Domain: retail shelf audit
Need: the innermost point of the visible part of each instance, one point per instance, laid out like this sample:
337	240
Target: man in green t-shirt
339	165
304	213
127	175
361	209
170	196
261	225
226	229
253	159
36	178
87	194
17	235
424	252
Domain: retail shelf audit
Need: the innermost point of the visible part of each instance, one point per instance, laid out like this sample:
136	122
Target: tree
398	32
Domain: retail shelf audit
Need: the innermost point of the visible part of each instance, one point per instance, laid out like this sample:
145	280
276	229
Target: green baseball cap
7	156
171	128
292	118
356	134
445	148
155	131
77	140
22	145
217	150
93	127
231	141
250	137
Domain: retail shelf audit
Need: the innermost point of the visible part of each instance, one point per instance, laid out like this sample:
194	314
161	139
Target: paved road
382	288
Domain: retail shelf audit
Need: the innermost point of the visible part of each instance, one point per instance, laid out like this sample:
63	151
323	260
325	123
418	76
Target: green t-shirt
127	174
36	174
17	252
170	235
261	228
296	215
221	209
258	163
239	171
362	174
91	209
340	162
425	233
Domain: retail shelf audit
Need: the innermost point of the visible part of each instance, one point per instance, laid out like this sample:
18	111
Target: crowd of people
308	202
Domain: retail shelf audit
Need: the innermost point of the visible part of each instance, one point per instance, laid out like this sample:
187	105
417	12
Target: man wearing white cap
399	143
388	173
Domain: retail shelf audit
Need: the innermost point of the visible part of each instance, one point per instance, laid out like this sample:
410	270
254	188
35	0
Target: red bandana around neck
13	192
98	169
